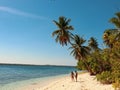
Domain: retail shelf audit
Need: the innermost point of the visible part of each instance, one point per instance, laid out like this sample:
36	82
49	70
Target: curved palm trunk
87	67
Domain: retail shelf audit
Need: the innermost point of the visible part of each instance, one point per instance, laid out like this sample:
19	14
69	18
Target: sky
26	28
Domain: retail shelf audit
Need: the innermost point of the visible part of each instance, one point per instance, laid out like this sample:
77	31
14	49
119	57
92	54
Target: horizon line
33	64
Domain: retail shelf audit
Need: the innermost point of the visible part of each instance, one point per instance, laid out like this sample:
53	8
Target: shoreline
42	82
14	77
85	82
31	84
61	82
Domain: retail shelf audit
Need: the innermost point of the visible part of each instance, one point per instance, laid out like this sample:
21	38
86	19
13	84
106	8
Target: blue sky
26	27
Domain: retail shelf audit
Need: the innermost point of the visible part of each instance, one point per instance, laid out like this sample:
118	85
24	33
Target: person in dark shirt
76	75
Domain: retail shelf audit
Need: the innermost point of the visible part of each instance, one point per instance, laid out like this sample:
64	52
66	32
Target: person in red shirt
72	76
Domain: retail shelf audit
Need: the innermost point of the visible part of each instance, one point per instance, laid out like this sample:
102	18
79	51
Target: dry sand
85	82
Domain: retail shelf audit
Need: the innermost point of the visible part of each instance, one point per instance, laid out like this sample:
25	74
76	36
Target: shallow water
13	76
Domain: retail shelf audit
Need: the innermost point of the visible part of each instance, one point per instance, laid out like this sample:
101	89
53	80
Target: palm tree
94	58
63	34
79	51
93	44
111	36
116	20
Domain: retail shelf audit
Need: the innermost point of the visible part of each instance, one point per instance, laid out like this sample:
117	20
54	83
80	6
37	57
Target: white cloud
20	13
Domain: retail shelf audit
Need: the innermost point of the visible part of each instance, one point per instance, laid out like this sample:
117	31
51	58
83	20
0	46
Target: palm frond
93	44
118	15
63	32
57	38
69	28
55	32
57	24
115	21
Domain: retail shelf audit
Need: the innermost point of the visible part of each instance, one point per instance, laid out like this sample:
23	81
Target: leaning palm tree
106	38
93	44
79	51
63	34
95	59
111	36
116	20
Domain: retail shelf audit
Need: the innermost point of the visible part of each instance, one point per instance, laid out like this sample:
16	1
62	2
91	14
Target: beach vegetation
105	77
80	52
102	62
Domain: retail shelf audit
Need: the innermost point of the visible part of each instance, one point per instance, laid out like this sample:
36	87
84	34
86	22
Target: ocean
12	75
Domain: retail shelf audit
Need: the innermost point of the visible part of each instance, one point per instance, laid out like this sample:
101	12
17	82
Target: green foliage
94	65
63	34
81	65
93	44
105	77
116	85
116	73
79	51
116	20
104	63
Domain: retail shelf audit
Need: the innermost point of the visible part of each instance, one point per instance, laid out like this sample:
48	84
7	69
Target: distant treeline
34	65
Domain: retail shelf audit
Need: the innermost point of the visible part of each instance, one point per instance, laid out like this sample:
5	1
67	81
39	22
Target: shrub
105	77
116	77
81	65
116	85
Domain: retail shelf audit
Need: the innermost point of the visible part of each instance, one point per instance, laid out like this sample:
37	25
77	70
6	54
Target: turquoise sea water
13	74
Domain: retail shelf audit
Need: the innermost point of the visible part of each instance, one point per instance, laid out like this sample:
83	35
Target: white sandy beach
85	82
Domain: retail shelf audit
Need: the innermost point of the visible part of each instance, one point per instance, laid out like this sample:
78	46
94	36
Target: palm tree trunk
87	67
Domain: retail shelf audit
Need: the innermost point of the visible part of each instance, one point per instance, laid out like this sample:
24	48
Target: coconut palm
63	34
111	36
94	59
116	20
80	52
93	44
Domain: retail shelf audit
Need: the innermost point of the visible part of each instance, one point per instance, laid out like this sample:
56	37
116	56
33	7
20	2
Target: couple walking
74	75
